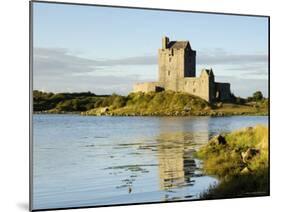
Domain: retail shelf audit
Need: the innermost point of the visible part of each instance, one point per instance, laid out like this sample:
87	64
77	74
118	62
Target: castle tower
207	88
176	60
176	69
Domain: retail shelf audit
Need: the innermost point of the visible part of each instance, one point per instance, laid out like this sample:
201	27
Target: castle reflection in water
175	153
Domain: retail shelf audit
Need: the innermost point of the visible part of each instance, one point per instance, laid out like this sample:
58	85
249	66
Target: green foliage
40	100
225	161
165	103
257	96
64	102
248	184
75	102
119	101
98	103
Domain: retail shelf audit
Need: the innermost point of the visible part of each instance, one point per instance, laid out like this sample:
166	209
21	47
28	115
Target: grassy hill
153	103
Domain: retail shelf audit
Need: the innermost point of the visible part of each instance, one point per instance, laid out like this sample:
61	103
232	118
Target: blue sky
106	50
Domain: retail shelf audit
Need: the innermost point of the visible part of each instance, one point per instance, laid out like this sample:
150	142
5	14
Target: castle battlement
177	72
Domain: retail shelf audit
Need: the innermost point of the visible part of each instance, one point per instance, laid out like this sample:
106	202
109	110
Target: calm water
88	161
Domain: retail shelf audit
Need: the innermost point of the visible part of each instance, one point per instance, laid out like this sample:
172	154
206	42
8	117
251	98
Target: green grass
65	102
250	184
237	177
250	108
171	103
156	103
165	103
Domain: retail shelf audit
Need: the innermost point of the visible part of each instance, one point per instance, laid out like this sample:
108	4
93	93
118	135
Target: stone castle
177	72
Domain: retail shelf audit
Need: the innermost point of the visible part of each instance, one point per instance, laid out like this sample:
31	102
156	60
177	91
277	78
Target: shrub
257	96
119	101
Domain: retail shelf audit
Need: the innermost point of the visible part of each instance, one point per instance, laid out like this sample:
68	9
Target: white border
14	103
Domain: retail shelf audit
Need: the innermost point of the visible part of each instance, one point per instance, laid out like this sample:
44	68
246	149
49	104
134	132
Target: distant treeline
69	102
256	97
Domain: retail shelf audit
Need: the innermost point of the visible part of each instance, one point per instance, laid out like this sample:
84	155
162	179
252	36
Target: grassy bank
170	103
153	103
240	161
166	103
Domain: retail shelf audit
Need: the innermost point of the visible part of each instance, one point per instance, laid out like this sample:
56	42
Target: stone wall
203	86
148	86
198	86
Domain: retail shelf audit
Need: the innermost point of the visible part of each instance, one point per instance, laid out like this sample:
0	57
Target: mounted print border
132	105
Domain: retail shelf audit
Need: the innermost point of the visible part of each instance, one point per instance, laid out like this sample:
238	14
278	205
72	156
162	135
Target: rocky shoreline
107	112
176	114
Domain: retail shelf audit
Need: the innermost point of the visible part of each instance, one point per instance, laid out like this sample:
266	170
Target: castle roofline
167	44
179	45
208	71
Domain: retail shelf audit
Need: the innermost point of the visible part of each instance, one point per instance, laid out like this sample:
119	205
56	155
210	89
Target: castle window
168	73
170	59
194	90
